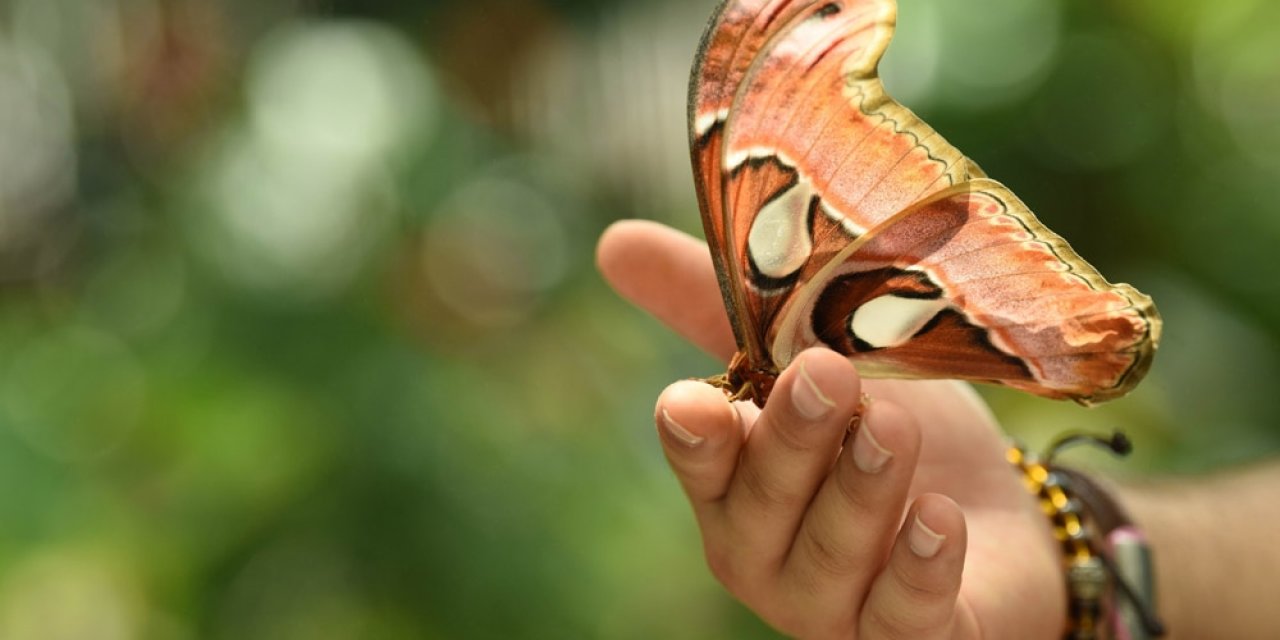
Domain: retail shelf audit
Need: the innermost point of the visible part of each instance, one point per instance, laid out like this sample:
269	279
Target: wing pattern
836	216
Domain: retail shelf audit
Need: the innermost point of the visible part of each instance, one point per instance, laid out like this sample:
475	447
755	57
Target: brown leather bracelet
1125	555
1105	555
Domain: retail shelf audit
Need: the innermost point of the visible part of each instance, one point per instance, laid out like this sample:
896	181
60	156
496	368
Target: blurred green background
300	335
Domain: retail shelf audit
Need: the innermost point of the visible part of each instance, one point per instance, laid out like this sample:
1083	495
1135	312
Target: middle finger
788	452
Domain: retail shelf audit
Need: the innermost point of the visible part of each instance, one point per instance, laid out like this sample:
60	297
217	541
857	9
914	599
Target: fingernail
925	542
677	430
868	454
808	399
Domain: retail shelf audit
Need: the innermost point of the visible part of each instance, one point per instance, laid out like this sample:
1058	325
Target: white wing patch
889	321
704	122
780	241
739	157
848	225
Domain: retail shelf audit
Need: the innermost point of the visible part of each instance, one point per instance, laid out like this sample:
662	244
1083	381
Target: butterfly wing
968	284
737	32
837	216
797	149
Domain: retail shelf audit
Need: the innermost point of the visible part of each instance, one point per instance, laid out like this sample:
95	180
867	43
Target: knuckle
857	495
880	622
765	488
827	556
918	589
791	434
917	606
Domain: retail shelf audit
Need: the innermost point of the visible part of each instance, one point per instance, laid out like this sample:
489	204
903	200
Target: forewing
798	150
738	31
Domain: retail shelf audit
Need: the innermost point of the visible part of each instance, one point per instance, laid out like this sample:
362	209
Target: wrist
1175	528
1150	515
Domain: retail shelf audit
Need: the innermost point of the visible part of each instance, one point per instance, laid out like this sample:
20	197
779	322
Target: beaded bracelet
1104	553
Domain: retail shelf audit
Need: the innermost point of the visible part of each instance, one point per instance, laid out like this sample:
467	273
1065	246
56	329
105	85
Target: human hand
804	523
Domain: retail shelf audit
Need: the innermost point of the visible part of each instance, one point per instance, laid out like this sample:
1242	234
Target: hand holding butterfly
912	527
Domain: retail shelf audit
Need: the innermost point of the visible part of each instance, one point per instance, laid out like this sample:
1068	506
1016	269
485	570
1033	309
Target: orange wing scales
1074	334
835	215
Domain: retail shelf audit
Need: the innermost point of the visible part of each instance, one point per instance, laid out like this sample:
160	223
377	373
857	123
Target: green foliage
300	335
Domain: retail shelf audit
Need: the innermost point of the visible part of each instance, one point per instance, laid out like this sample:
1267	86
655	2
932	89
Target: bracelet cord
1082	515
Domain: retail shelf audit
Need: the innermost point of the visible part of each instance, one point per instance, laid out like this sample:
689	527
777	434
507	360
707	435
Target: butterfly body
837	217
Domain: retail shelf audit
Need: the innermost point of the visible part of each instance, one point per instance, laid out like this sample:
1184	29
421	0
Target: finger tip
684	391
893	425
690	402
829	358
942	514
610	248
833	373
624	244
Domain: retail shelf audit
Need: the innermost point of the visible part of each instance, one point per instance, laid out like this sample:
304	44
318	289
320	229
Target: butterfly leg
856	421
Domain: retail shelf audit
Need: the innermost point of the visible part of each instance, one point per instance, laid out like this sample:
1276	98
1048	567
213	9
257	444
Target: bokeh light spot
301	196
37	162
346	91
137	292
296	226
73	393
1238	73
497	245
69	595
295	589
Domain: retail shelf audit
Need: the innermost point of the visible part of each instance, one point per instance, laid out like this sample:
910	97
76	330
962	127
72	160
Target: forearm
1216	543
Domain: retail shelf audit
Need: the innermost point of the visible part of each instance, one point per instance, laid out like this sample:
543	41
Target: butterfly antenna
1118	443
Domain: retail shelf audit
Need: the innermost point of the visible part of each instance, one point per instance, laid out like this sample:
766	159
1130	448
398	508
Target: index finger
670	275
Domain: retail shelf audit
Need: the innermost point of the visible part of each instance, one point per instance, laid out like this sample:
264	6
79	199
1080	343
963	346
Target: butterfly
836	217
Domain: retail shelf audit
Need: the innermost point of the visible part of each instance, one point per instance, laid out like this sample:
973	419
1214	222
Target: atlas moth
836	217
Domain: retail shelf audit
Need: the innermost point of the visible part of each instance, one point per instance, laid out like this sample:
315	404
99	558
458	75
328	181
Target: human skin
820	548
1214	542
803	534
